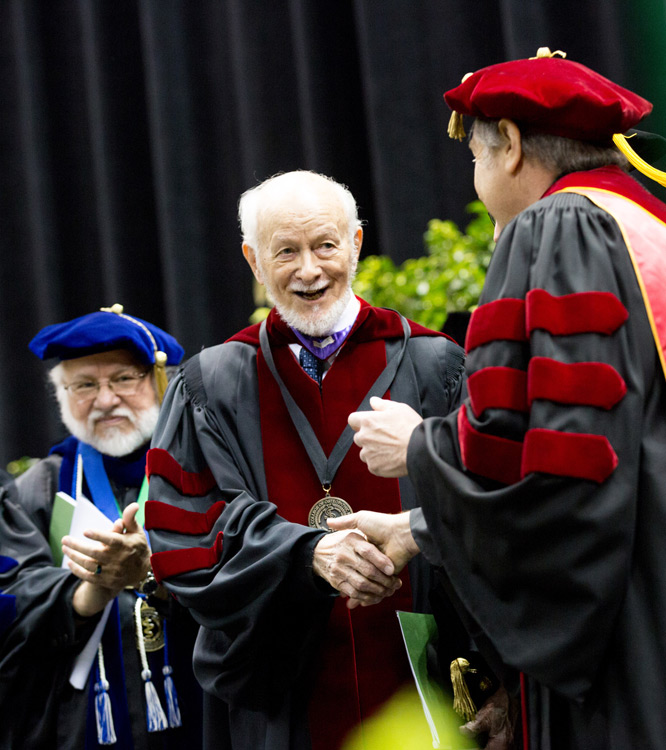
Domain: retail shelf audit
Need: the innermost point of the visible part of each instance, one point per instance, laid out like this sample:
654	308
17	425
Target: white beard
316	323
115	442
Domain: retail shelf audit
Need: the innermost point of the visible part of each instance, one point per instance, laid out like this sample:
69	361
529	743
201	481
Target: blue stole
7	601
100	493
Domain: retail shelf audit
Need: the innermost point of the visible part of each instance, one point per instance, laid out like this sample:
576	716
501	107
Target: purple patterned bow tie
323	346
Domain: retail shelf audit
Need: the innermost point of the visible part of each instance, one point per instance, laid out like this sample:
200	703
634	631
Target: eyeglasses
125	384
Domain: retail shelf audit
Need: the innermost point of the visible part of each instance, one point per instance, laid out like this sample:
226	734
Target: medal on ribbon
328	507
151	627
326	466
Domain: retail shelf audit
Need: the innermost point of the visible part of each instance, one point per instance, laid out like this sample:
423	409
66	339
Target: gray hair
558	154
258	199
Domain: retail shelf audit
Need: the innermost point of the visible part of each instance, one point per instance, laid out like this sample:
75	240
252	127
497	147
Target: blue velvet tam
104	331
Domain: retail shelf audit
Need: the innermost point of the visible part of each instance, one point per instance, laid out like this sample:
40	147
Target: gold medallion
327	507
151	625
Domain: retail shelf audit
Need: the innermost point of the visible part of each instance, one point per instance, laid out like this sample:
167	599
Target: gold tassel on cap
622	143
456	128
463	704
159	369
161	381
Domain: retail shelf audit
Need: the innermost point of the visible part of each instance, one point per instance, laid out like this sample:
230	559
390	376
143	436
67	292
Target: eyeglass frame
137	376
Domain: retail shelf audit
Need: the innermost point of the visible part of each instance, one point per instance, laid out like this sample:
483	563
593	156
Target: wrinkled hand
391	533
355	568
496	718
123	554
383	435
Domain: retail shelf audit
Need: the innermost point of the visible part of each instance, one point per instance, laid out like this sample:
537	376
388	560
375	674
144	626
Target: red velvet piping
497	388
174	562
568	314
488	455
614	180
581	383
502	319
169	518
194	484
568	454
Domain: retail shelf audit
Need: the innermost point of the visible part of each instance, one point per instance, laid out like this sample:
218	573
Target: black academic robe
543	499
231	487
39	709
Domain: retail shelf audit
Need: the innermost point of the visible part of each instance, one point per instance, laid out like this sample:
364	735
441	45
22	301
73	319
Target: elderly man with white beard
95	653
251	456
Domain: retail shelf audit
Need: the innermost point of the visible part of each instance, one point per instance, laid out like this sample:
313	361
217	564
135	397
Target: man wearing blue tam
96	654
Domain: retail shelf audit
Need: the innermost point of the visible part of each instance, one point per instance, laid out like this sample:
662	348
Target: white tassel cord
155	717
106	732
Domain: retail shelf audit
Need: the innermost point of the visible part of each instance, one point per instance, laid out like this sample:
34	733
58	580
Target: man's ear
512	148
358	241
251	258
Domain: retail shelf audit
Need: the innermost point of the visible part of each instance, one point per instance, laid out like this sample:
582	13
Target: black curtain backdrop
129	128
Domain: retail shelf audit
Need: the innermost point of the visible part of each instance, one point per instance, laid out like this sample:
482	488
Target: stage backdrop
129	128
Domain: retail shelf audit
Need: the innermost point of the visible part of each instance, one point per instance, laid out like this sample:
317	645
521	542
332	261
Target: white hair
259	199
117	443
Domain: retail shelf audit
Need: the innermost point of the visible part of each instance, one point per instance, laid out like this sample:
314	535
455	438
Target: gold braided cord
160	356
622	143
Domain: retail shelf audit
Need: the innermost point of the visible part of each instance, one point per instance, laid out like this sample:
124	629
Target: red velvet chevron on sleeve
488	455
568	314
193	484
501	319
174	562
568	454
594	384
170	518
497	388
581	383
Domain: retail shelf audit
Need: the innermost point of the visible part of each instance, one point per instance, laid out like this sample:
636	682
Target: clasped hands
108	562
366	551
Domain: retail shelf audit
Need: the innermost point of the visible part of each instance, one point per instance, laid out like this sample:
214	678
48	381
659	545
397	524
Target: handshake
367	550
364	555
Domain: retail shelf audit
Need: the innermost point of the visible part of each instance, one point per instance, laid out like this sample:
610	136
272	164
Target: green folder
417	631
61	522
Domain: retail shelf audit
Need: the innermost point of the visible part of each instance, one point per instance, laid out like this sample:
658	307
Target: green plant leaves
449	277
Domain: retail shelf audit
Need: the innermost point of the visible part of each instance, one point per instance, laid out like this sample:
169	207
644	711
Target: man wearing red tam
542	498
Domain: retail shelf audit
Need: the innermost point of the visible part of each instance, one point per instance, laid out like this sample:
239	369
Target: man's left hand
122	554
355	568
383	436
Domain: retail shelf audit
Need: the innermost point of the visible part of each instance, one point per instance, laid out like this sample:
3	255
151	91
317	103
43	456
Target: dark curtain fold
129	129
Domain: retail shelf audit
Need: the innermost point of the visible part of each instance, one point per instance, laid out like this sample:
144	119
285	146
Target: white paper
84	661
87	516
